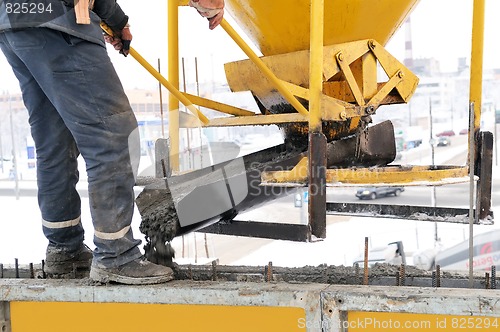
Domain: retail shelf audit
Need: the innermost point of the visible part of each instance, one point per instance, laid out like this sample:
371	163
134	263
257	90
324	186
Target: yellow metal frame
325	107
476	68
390	175
358	93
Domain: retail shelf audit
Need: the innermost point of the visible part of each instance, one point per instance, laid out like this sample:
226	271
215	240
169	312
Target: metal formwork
52	305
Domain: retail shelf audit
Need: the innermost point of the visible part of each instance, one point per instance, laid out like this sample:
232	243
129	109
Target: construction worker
77	105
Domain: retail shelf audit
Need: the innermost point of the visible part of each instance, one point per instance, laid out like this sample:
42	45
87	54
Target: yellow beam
257	120
353	84
265	70
297	175
331	108
390	175
476	68
392	66
316	65
386	89
216	106
171	88
387	175
365	71
173	77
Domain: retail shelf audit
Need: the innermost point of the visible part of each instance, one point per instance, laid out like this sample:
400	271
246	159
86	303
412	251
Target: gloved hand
213	10
120	41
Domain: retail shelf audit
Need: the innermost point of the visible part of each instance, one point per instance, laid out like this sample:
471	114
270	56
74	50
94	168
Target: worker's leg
57	174
79	80
81	83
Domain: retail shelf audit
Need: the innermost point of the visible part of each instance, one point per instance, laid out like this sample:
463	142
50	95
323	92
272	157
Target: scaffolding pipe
173	78
476	68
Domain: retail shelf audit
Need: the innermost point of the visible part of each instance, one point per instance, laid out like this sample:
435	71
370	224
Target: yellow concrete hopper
355	32
282	26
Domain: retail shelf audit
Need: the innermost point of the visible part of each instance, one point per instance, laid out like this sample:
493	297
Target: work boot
136	272
59	262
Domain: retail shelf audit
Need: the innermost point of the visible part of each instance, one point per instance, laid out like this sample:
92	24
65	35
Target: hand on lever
213	10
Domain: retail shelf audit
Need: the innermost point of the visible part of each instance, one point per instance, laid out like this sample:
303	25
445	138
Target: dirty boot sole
63	268
104	276
61	262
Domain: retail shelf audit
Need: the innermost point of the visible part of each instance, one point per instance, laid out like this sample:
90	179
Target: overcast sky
440	29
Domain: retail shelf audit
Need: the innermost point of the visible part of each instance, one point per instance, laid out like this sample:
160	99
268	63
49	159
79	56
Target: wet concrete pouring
163	199
160	199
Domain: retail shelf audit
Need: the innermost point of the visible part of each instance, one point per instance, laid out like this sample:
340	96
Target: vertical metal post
484	168
472	153
476	86
187	130
161	103
2	156
15	165
365	266
433	193
431	133
198	93
317	140
173	78
496	142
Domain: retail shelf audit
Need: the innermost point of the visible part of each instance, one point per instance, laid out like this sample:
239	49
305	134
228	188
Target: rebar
438	275
365	271
493	277
269	272
214	271
402	272
16	264
471	193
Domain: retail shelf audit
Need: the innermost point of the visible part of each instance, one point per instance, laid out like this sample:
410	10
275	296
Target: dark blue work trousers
76	104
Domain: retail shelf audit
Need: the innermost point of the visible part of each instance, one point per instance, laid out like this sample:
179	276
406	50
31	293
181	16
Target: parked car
446	133
443	141
375	192
464	131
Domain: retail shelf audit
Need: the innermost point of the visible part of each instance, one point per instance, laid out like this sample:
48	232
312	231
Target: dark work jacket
60	15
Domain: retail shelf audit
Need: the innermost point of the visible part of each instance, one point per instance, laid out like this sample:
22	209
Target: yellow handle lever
170	87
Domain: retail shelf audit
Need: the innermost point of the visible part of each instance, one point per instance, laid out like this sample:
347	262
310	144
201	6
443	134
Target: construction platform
79	305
